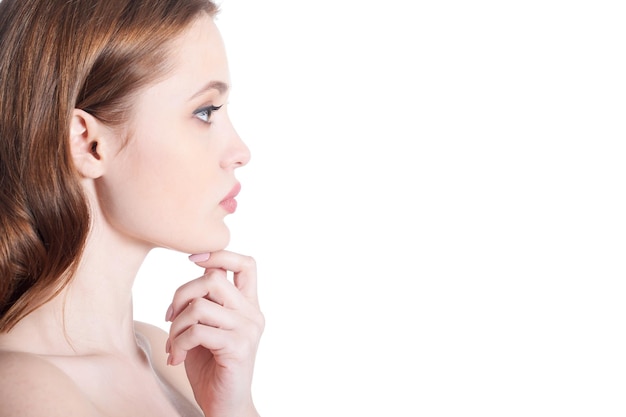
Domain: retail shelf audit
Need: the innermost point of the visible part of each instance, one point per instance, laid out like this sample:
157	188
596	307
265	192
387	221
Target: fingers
213	313
231	344
205	312
243	267
213	285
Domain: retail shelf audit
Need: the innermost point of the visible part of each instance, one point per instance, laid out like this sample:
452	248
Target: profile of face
172	184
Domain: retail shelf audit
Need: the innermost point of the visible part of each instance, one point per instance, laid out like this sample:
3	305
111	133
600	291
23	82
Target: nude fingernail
169	360
199	257
168	346
170	313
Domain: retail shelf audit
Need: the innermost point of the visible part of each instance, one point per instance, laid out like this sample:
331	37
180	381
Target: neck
94	313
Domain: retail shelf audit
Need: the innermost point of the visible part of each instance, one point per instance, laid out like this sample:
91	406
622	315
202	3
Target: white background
435	202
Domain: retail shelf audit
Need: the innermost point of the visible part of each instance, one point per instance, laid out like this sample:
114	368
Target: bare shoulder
175	375
32	386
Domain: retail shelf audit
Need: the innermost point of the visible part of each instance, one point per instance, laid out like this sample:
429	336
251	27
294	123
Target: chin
215	242
200	241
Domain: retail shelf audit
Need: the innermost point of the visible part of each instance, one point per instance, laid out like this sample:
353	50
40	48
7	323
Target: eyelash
207	112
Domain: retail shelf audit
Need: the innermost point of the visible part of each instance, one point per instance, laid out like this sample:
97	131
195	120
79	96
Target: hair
55	56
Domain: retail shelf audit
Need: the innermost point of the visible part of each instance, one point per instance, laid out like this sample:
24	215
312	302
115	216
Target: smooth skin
78	355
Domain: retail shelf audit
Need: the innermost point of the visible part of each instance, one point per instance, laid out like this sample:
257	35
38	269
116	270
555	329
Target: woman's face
172	184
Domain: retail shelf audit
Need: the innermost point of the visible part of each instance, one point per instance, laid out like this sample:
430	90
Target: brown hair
57	55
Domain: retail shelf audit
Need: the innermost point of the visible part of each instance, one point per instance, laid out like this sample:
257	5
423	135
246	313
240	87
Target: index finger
243	268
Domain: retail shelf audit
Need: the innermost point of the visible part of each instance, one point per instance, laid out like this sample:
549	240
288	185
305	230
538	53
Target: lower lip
230	205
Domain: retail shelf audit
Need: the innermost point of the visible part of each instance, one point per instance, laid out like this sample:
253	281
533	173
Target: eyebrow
220	86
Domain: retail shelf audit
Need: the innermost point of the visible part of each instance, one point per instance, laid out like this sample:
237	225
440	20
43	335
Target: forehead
198	56
202	41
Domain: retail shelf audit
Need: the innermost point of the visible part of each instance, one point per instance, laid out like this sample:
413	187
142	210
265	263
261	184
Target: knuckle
213	276
194	331
212	281
255	326
208	277
260	322
178	293
249	262
196	305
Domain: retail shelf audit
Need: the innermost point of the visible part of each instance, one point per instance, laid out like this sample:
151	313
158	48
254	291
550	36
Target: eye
205	113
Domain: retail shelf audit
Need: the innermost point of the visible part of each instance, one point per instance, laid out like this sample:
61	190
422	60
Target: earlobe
85	136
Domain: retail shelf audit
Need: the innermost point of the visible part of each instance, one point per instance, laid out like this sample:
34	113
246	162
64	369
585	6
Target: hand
215	331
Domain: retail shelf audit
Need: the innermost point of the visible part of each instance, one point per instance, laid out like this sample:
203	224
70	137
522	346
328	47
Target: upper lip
233	193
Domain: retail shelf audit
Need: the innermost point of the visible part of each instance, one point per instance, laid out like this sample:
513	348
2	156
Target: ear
87	137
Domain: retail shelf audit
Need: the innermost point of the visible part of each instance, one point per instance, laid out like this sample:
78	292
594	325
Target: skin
78	354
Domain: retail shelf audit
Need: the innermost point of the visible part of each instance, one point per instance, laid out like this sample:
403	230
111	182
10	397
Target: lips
229	203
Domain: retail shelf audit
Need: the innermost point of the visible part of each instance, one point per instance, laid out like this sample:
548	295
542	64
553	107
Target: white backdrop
435	202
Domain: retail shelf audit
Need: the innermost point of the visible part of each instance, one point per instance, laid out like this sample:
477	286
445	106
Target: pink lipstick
229	203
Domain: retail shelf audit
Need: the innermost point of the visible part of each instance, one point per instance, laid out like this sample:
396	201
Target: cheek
158	182
161	165
168	196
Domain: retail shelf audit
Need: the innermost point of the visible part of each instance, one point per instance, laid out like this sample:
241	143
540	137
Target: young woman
114	140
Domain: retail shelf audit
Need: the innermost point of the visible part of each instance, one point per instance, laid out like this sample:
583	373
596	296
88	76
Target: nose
238	153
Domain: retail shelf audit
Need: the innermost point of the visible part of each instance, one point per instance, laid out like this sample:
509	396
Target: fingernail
168	346
199	257
169	360
170	312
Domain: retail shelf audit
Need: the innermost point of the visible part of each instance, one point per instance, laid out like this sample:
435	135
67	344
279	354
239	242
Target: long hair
55	56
